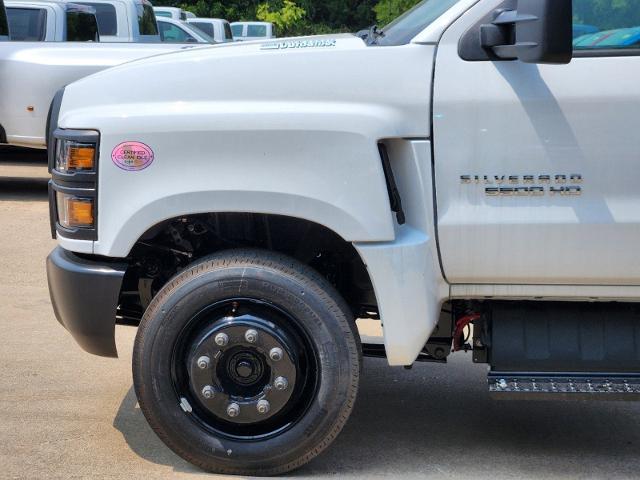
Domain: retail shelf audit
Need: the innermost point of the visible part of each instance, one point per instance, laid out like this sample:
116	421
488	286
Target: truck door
537	167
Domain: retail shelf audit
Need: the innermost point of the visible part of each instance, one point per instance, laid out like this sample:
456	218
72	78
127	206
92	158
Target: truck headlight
73	190
74	156
75	211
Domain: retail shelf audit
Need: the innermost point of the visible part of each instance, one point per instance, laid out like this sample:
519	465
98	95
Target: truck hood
283	76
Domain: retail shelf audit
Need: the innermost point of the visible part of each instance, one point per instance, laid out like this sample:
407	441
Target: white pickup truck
51	21
485	174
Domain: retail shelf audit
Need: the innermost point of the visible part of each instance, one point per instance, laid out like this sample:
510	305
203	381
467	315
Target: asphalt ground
67	414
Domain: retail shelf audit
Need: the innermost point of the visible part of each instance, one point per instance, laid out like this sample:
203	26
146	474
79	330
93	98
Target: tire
282	301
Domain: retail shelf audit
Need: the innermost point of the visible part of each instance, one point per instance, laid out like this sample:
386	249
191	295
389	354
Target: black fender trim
84	294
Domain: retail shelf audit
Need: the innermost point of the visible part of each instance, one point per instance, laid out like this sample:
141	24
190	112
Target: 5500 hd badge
527	185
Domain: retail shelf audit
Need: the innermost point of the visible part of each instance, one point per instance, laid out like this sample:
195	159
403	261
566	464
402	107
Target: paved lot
67	414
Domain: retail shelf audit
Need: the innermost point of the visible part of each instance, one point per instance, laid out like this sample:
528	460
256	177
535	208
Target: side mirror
536	31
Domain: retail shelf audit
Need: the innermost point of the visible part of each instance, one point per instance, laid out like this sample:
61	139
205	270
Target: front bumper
85	294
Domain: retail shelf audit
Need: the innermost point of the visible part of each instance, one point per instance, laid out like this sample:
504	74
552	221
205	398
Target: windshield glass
409	24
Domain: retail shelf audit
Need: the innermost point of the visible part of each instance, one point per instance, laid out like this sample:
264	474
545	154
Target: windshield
409	24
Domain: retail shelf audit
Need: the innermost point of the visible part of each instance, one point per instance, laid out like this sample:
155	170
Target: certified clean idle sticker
132	156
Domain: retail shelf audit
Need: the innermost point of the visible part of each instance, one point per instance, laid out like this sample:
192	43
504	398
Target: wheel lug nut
204	362
275	354
263	407
280	383
208	392
233	410
222	339
251	335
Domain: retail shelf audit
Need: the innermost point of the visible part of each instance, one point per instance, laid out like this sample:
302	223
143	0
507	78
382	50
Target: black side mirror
536	31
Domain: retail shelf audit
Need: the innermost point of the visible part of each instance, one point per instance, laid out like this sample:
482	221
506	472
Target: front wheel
247	363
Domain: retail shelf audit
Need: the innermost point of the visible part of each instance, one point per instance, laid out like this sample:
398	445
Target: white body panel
305	148
31	74
515	119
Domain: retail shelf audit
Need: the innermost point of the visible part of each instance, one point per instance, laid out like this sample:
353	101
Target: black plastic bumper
84	294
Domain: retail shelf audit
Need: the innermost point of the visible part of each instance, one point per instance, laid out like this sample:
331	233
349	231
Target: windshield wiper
371	35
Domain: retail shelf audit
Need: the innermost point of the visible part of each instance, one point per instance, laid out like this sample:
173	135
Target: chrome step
569	386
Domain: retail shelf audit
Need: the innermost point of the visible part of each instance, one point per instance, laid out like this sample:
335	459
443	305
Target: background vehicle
189	14
177	31
4	26
170	12
31	74
216	28
246	31
51	21
487	177
125	20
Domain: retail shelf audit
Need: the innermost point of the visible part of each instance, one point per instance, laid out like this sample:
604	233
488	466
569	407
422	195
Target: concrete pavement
67	414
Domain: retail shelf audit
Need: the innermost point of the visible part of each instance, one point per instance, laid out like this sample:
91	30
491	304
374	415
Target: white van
51	21
217	28
245	31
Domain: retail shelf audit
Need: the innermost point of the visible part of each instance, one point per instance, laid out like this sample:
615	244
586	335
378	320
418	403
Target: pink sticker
132	156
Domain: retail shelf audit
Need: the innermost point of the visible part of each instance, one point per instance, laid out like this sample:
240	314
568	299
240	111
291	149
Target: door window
606	24
27	24
237	30
82	27
256	31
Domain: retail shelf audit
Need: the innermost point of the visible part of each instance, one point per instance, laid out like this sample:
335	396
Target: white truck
248	31
486	174
217	28
124	20
170	12
51	21
32	72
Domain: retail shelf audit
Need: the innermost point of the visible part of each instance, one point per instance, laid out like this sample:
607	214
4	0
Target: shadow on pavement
23	189
142	440
437	420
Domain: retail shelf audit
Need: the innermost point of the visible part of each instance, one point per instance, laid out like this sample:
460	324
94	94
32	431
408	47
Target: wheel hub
242	383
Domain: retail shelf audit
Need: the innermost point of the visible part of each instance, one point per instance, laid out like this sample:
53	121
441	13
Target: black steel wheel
247	363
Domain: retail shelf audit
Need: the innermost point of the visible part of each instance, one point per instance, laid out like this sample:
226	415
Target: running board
563	386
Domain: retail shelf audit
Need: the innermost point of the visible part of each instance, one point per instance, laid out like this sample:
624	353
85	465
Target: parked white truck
486	174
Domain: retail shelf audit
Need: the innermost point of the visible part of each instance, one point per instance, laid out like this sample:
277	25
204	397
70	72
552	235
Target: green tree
286	18
388	10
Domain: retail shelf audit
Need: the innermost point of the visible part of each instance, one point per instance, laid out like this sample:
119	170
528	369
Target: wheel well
172	245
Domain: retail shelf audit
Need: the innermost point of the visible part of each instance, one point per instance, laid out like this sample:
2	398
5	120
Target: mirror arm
498	34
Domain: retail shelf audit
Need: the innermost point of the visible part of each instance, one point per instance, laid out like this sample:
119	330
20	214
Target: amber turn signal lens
81	157
75	212
72	156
